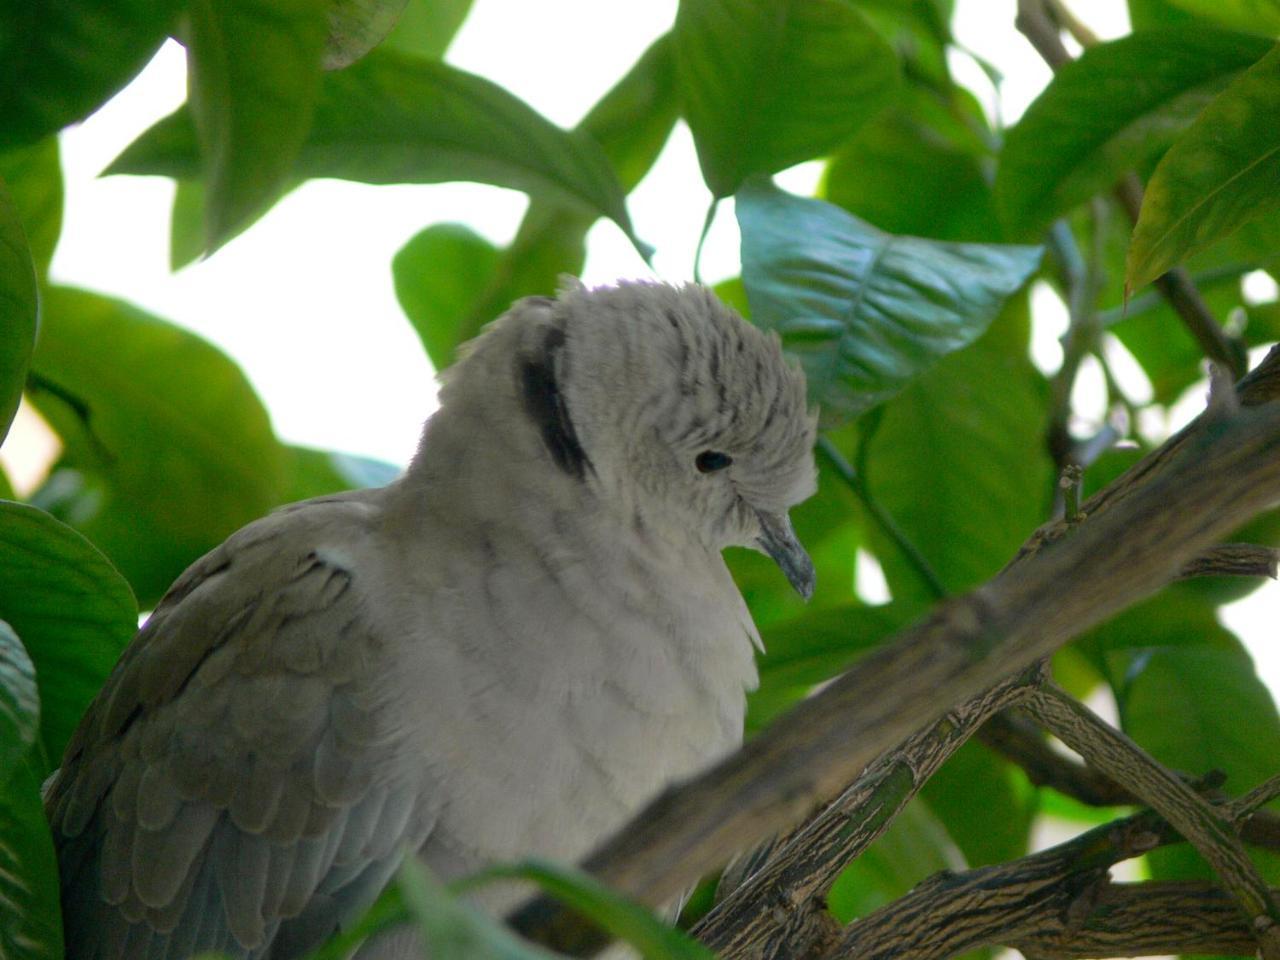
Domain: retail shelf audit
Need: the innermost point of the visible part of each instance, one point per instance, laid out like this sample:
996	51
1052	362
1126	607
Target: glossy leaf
356	27
30	915
427	27
19	308
34	177
865	311
19	702
254	76
211	464
1219	174
768	84
439	275
626	921
72	610
958	461
1258	16
61	59
392	118
1109	112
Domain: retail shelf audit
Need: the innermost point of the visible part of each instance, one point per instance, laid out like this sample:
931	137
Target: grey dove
504	652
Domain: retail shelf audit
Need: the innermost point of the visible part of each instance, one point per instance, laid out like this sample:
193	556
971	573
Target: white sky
304	302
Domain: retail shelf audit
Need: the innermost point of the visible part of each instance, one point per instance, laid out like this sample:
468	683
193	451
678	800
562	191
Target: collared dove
505	652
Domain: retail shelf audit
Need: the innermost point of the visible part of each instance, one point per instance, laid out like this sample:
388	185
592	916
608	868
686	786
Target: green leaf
1111	111
19	307
427	27
439	274
211	462
19	701
356	27
906	176
34	177
316	473
30	913
254	77
622	919
810	649
958	460
768	84
73	611
1219	174
865	311
61	59
452	929
392	118
186	224
1258	16
986	804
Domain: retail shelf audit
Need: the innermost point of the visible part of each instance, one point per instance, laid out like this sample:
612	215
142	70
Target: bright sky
304	300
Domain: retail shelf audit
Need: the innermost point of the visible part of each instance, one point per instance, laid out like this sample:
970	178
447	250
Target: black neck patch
546	407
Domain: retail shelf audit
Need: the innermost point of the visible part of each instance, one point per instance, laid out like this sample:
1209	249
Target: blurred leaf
254	77
812	648
19	306
985	803
210	464
631	123
316	473
959	461
1258	16
622	919
356	27
1199	708
34	177
6	488
453	929
914	847
1107	113
865	311
903	175
186	224
392	118
427	27
1220	173
30	915
768	84
1155	14
72	610
438	275
19	700
61	59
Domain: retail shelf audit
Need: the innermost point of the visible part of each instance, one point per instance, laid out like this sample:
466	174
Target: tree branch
1137	535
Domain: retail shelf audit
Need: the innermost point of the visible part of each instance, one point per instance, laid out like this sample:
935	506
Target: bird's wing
231	788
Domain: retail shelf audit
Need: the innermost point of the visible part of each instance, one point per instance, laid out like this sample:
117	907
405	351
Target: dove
504	652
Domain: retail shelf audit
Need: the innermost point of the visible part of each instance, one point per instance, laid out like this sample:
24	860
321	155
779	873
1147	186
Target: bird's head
678	412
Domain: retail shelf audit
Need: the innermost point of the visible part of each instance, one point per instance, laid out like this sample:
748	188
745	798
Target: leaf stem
702	239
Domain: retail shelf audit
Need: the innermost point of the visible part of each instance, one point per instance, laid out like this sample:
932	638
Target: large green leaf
1109	112
768	84
438	275
61	59
19	701
167	449
254	76
19	309
1259	16
959	461
316	473
30	914
864	310
34	177
631	123
986	803
72	610
427	27
393	118
1220	173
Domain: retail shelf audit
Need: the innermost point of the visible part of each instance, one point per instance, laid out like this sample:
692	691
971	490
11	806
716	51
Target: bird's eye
709	461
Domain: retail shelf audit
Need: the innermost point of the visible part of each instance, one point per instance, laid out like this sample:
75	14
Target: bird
504	652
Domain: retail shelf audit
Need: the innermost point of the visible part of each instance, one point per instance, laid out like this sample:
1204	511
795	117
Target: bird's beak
778	540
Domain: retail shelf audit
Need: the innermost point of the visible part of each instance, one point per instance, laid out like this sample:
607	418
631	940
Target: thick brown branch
1209	480
1018	740
1234	560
